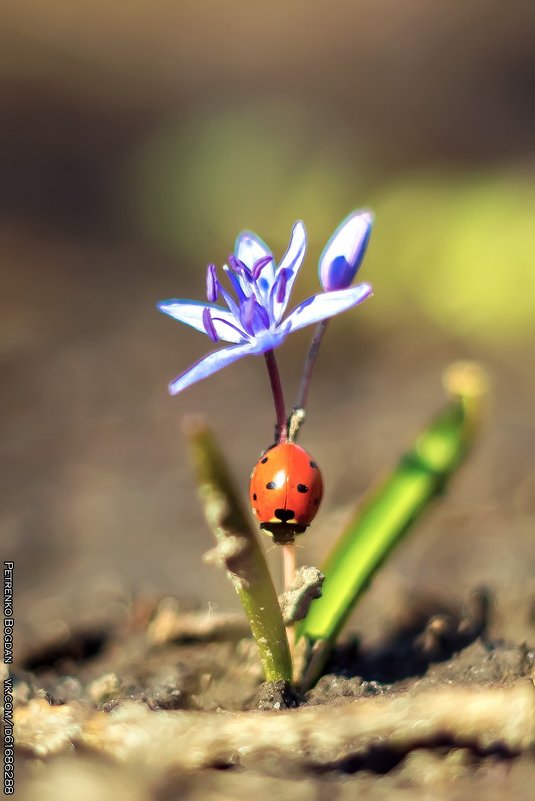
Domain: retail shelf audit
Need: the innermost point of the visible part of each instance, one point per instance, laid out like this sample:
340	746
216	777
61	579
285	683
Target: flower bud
345	250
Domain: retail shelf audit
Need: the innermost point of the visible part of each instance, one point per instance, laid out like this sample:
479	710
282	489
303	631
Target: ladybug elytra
285	491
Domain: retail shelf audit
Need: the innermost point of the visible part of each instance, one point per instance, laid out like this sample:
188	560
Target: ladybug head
283	533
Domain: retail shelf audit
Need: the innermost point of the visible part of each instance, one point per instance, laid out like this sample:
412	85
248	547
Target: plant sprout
286	485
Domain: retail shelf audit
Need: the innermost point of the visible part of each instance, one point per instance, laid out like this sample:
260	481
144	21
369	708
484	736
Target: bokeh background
136	140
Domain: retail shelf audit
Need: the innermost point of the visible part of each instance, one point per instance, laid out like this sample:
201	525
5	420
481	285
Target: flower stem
310	361
278	397
289	560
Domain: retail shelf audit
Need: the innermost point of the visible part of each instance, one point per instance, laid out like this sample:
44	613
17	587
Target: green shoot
239	551
389	511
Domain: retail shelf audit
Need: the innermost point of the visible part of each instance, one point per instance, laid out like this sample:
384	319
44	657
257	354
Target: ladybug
285	491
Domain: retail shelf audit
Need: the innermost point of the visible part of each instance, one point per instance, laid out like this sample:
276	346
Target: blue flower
254	321
344	252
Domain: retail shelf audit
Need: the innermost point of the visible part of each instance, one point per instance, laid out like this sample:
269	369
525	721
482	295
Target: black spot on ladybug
302	488
264	460
284	514
254	496
314	465
270	485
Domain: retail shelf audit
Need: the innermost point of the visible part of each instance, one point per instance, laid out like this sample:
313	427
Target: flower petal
210	364
190	312
291	262
249	248
345	250
325	305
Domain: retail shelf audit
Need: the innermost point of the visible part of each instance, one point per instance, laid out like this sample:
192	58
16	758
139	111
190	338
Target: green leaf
239	550
389	511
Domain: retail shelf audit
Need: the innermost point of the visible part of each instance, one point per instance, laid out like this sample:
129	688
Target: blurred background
136	141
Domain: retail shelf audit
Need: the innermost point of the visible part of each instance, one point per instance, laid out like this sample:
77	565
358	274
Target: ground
153	703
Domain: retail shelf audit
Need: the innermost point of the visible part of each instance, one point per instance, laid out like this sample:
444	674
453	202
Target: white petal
249	248
210	364
292	260
321	307
190	313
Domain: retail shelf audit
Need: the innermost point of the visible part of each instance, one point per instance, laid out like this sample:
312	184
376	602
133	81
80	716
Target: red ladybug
285	491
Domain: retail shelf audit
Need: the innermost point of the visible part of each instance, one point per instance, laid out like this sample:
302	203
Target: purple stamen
239	267
209	326
212	284
282	282
259	266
